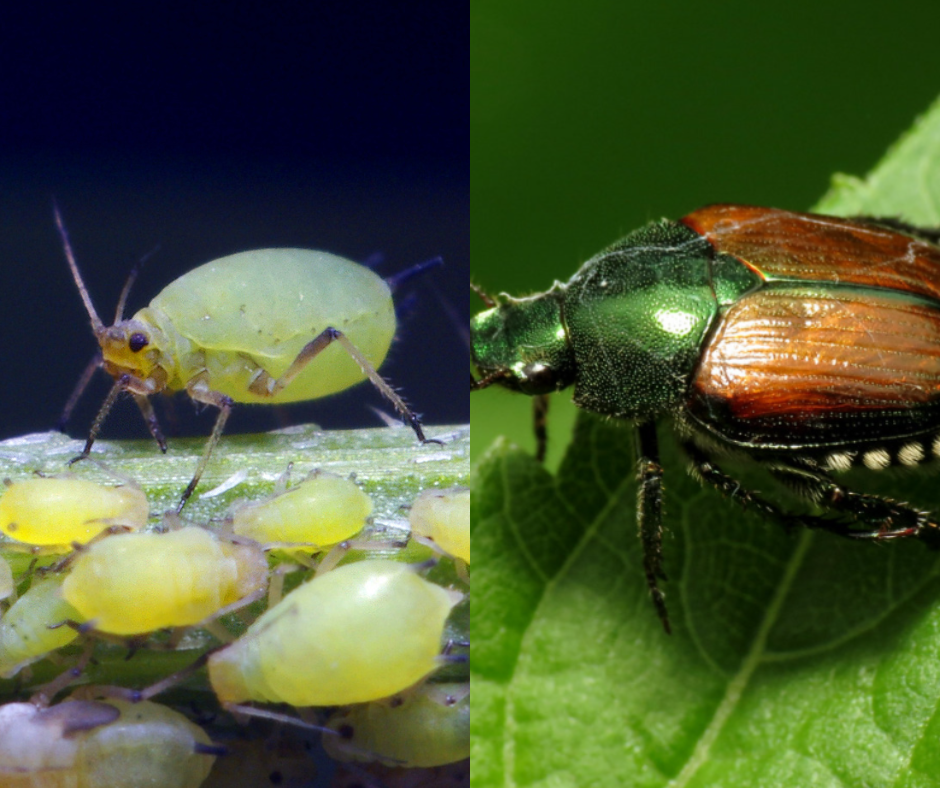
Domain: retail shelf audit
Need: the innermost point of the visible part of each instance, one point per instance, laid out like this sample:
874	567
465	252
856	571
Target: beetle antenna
131	278
397	280
487	380
96	324
485	297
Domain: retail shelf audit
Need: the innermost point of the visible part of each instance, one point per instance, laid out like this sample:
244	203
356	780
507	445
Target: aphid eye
137	342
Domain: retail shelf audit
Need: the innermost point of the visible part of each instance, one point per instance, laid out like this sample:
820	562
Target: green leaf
797	658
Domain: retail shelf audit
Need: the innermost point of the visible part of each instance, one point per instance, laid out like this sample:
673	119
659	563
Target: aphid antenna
97	326
129	283
395	281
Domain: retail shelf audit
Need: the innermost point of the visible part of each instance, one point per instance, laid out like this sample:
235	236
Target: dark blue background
214	129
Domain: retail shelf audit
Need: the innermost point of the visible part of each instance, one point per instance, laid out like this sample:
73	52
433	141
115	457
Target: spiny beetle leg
707	471
649	474
873	516
540	425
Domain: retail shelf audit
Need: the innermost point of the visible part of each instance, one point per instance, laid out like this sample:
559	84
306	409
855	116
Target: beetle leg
266	386
198	390
649	474
881	518
705	469
540	425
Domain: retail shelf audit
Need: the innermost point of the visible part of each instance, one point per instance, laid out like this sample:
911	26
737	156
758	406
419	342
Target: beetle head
522	345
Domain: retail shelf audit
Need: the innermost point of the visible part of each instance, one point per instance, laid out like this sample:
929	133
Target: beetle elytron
806	343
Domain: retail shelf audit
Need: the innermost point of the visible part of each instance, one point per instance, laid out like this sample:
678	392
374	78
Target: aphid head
134	347
522	344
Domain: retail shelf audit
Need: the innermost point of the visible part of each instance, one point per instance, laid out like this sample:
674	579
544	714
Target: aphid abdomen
322	510
360	632
135	583
443	517
90	744
59	511
262	307
25	634
424	727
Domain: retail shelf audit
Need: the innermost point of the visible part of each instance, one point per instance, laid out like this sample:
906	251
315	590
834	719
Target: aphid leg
135	696
282	481
119	385
649	474
46	692
80	386
265	386
540	404
199	391
251	711
146	410
276	582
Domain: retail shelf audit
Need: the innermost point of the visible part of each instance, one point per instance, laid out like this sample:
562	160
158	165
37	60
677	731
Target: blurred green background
590	119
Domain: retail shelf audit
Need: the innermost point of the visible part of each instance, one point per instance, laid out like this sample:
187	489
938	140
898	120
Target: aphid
92	744
442	518
360	632
31	628
244	328
807	344
428	726
7	586
321	511
55	512
129	584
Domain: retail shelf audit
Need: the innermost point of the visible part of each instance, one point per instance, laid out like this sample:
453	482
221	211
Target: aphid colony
361	628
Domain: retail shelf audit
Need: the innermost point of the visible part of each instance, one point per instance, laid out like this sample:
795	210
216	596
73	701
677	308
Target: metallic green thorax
626	330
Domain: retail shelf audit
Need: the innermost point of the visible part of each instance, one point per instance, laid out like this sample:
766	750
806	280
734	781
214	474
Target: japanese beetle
805	343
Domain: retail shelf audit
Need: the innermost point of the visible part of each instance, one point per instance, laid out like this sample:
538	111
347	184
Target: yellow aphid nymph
129	584
428	726
245	328
321	511
442	518
90	744
55	512
360	632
